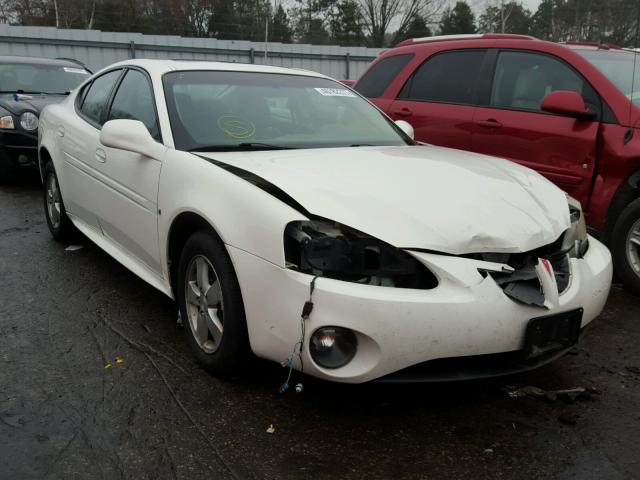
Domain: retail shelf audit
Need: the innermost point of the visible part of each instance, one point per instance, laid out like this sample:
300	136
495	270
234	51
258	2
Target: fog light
23	160
333	347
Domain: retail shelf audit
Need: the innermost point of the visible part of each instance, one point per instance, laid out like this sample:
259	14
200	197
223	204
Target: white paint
418	197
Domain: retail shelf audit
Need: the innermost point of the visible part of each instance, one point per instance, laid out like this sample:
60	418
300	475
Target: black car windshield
221	110
617	66
40	78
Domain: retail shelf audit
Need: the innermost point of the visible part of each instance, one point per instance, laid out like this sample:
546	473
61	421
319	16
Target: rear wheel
211	306
59	223
625	246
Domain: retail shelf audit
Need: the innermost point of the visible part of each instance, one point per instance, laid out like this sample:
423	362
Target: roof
37	61
470	36
163	66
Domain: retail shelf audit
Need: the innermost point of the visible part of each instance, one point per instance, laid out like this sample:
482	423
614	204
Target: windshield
617	66
212	110
34	78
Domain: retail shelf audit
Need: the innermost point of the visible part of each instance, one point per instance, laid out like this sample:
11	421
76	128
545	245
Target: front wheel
625	247
211	306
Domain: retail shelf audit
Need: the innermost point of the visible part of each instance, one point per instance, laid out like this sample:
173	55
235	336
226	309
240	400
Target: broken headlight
329	249
575	241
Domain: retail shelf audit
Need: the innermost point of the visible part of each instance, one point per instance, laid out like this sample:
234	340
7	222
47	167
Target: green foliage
457	20
508	17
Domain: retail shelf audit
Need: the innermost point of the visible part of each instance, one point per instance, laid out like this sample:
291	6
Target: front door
513	126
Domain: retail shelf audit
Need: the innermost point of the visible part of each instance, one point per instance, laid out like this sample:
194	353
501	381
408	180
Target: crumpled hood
34	104
418	196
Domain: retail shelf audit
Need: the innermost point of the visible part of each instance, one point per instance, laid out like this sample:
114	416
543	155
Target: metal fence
97	49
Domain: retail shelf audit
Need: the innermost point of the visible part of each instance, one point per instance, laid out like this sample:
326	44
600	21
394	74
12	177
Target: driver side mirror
132	136
406	128
567	103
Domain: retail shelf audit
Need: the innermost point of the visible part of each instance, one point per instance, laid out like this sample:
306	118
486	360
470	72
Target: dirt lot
65	315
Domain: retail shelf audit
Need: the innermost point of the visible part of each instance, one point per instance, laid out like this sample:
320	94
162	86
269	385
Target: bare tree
381	15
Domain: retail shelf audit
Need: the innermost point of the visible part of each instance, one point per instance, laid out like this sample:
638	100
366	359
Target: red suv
570	112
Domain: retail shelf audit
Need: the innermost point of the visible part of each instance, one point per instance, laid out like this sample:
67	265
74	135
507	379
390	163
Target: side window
523	79
95	101
134	101
448	77
378	77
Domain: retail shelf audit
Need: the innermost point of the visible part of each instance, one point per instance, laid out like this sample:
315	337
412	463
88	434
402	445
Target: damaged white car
290	218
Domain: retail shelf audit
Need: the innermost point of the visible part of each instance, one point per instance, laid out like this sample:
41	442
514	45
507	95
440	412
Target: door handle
491	123
61	131
101	156
403	112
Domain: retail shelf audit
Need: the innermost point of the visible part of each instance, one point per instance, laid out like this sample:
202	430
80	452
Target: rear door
513	126
439	98
79	138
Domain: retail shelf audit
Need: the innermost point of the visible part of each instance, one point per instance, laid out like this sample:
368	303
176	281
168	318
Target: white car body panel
415	198
419	197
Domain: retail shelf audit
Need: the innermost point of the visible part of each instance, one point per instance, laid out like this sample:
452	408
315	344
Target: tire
60	226
625	247
215	323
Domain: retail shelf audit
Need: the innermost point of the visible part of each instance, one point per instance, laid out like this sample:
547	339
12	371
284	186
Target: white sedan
290	218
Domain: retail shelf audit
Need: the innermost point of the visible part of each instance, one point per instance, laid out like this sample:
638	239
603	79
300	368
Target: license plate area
545	335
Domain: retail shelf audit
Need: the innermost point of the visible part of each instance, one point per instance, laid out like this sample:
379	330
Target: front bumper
467	315
18	149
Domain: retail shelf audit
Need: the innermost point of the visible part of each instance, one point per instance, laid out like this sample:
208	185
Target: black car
27	85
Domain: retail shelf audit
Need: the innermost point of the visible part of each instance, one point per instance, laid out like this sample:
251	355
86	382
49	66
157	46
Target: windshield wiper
245	146
33	92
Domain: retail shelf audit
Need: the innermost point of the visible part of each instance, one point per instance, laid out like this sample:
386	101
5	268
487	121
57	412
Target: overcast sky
480	5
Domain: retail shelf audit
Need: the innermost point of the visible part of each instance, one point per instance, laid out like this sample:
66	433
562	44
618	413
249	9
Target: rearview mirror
130	135
406	128
568	103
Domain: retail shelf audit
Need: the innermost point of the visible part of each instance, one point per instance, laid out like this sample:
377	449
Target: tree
379	15
459	19
346	24
509	17
281	26
417	28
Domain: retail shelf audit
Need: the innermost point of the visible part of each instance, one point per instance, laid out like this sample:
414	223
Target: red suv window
448	77
376	80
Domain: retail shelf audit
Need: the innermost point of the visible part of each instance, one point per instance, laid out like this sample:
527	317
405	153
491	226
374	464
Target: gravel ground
155	414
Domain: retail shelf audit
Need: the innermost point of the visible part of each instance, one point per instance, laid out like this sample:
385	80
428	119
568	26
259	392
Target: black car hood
32	102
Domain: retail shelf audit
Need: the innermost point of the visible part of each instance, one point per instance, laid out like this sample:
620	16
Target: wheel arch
182	227
628	191
44	157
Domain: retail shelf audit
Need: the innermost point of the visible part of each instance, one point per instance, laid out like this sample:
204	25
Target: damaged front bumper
467	315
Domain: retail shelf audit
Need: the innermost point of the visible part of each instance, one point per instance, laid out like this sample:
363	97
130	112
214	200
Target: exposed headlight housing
29	121
6	122
575	240
328	249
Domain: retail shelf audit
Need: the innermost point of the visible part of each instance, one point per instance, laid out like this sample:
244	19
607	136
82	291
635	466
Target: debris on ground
108	365
119	360
74	248
271	429
569	394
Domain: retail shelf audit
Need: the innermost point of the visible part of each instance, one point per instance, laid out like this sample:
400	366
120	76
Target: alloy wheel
54	202
633	247
203	295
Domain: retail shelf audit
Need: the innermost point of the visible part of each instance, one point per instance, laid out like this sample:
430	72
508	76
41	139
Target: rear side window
523	79
94	106
448	77
134	101
378	77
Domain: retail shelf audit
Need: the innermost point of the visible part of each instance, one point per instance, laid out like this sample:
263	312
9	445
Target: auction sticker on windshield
335	92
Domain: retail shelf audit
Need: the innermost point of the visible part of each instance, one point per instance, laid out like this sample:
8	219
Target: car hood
419	197
32	102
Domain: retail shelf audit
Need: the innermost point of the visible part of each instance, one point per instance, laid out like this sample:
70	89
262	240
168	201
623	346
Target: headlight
7	122
575	241
29	121
329	249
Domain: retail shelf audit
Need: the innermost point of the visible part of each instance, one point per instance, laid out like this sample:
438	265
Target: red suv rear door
438	99
513	126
